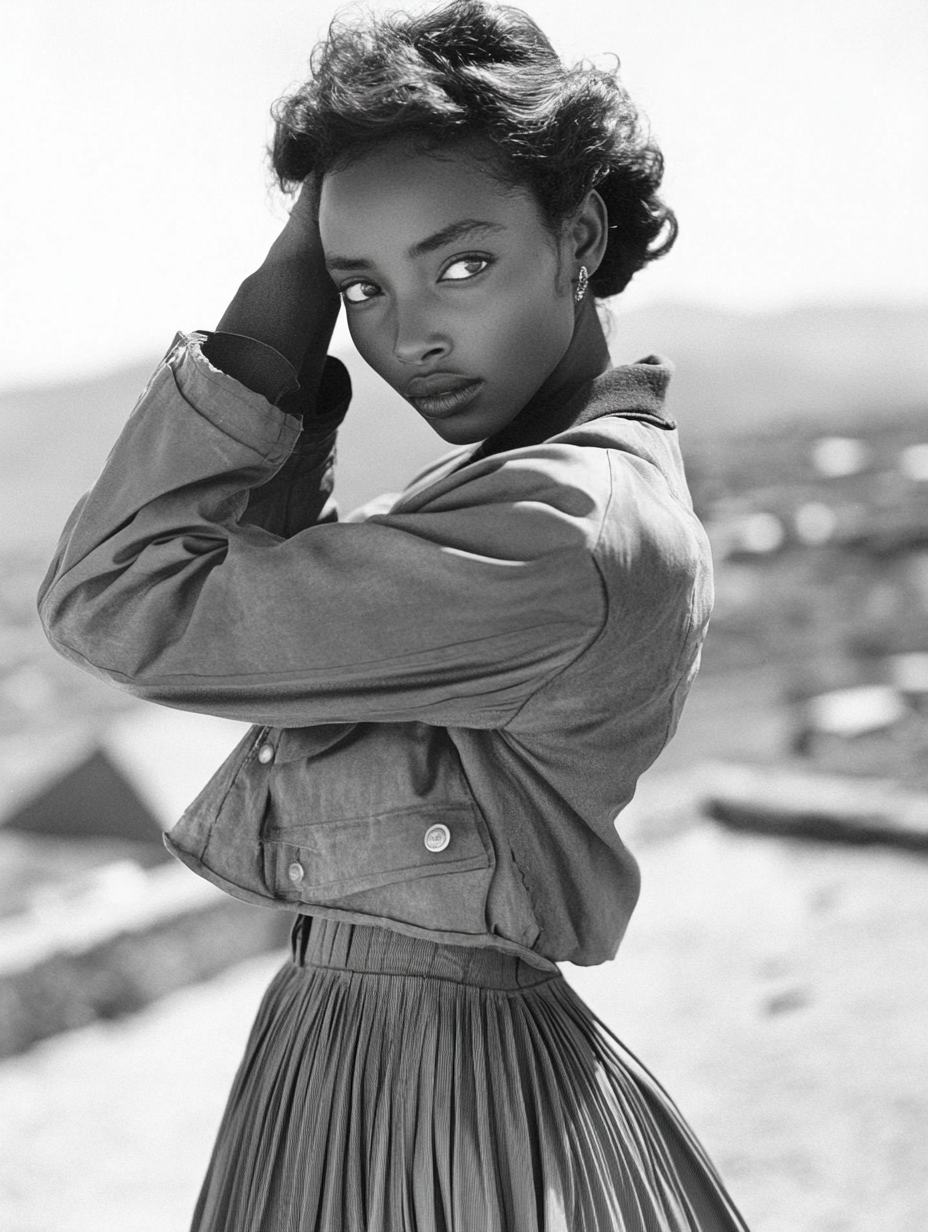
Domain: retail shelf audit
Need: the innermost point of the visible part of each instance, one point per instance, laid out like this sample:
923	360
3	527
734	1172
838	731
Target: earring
582	279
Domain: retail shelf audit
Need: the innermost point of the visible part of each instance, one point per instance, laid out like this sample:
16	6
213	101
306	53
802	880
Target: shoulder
649	544
556	491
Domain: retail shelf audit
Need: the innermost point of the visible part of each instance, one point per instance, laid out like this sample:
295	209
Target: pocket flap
309	863
299	743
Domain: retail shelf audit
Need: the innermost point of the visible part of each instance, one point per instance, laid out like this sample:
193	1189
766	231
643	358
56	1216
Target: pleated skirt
394	1085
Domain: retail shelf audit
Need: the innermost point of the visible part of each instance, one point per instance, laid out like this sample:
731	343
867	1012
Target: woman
454	696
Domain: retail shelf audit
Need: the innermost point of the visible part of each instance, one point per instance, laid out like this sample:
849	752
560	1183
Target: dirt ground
778	990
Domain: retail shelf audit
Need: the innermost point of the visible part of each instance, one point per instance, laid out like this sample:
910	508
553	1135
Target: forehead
393	198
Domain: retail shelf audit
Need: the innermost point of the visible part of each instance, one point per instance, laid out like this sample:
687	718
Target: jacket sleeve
300	493
453	613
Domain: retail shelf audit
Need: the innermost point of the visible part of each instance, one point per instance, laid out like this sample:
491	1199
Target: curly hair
475	71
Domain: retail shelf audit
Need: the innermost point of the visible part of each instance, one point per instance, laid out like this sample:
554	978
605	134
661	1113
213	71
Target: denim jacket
452	699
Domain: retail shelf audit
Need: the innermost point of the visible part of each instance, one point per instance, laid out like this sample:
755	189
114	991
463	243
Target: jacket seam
486	836
529	892
600	632
119	676
397	812
233	781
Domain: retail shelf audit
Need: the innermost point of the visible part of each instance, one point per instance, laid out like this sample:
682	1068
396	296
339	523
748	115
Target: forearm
290	302
163	587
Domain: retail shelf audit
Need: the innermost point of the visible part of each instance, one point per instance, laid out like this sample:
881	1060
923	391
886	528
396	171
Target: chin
469	429
457	434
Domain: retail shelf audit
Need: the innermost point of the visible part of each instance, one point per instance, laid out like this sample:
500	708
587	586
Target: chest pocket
370	813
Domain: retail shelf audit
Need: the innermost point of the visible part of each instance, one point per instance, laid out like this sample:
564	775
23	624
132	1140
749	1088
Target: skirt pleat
393	1085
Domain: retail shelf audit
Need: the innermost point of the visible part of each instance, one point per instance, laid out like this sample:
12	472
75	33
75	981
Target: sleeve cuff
200	379
238	411
256	365
262	369
327	408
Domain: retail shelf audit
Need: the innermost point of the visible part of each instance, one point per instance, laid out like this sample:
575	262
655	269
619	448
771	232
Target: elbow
96	635
119	619
73	631
127	630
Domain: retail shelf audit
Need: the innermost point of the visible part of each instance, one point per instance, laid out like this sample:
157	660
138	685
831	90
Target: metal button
266	754
437	838
295	872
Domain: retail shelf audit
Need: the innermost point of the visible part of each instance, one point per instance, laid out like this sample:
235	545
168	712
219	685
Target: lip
441	394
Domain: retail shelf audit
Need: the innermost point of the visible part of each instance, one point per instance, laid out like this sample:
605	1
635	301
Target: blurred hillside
735	374
751	373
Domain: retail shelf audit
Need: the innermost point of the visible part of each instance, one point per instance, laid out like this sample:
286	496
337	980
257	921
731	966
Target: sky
136	194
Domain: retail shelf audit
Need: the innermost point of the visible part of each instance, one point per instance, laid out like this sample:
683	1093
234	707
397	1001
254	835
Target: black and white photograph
464	616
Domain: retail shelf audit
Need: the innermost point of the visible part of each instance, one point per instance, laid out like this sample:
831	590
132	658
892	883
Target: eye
465	267
359	292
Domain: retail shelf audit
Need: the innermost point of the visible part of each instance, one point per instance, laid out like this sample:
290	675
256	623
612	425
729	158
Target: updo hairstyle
471	73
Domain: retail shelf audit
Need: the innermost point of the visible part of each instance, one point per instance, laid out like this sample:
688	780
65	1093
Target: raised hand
290	302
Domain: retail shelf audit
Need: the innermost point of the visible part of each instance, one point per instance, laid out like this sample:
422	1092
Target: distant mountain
735	372
740	372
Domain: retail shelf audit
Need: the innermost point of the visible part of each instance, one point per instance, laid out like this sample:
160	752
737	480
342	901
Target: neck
586	357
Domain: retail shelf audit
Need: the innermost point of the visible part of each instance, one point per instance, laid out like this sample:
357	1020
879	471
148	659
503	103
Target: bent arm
454	613
273	339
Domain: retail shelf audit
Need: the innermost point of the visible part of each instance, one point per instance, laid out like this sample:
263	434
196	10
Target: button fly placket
437	838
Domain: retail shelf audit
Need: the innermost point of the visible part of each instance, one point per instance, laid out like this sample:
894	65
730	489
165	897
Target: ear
588	234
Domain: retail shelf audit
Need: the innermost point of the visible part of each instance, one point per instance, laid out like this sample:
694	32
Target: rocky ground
777	988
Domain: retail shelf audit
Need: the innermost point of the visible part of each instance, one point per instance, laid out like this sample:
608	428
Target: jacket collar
631	391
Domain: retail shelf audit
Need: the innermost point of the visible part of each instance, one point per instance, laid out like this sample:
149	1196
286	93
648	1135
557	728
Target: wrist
288	304
261	368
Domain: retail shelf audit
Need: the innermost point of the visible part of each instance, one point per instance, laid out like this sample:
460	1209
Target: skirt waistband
338	945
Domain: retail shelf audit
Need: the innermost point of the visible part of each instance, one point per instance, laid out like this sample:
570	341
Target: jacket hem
438	936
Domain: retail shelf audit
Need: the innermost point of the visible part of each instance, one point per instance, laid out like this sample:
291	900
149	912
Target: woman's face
455	291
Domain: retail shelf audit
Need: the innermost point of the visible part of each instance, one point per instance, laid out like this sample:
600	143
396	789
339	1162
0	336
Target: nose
418	339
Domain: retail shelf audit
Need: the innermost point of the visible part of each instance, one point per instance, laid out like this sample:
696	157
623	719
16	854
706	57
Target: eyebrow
447	235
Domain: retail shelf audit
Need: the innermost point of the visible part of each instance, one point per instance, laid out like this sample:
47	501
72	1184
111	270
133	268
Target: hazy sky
135	192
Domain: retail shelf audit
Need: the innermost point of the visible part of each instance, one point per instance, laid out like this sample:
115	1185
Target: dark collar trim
632	391
656	421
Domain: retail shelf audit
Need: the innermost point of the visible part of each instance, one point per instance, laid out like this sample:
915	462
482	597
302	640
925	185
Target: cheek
369	342
544	326
534	332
